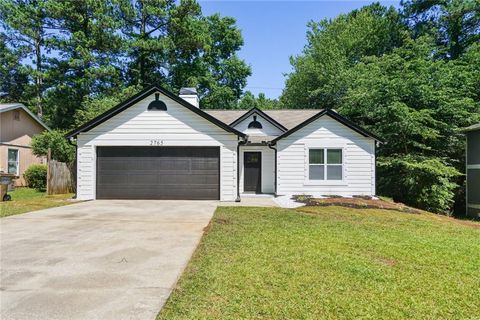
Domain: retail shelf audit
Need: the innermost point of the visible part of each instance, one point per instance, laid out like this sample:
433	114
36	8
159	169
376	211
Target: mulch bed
356	202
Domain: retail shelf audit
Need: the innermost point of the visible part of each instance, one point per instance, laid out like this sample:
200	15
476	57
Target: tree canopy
59	57
410	75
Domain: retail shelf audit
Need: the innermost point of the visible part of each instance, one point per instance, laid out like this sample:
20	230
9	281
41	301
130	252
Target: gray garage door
158	173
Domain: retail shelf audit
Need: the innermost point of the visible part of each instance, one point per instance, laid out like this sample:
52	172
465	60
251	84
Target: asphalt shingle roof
289	118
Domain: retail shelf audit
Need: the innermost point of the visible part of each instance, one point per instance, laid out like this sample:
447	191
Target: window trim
325	181
17	162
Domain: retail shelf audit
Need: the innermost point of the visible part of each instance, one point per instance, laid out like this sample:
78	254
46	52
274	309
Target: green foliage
390	74
87	51
94	106
422	182
54	140
454	23
335	45
36	176
248	101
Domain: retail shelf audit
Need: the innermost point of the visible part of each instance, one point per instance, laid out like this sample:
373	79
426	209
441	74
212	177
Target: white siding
136	126
358	163
268	129
268	167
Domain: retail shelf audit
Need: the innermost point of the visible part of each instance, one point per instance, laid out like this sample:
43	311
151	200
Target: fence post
49	171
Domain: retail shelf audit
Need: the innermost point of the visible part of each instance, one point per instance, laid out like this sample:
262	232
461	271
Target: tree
13	79
174	45
54	140
454	23
88	64
418	104
248	101
333	46
393	77
28	24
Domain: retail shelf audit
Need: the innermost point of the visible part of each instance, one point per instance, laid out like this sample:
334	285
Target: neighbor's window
325	164
13	161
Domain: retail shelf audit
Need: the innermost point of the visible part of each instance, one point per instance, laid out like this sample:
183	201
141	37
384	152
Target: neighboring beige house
17	127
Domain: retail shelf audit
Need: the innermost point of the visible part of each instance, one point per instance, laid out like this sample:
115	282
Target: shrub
36	176
58	144
425	183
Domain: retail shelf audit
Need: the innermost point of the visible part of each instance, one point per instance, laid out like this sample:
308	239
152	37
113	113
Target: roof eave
137	97
263	114
337	117
30	113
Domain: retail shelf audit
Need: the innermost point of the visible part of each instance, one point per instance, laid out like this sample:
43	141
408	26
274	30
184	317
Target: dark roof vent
255	124
157	104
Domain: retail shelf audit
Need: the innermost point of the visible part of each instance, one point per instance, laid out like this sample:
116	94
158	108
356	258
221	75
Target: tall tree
173	44
455	23
333	46
28	26
418	104
87	64
13	78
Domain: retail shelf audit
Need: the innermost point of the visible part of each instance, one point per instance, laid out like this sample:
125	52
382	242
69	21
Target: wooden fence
60	176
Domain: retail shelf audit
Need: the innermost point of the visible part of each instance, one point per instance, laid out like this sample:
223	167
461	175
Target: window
13	161
16	115
325	164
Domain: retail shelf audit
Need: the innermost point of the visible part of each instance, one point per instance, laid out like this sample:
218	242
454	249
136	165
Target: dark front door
252	178
158	173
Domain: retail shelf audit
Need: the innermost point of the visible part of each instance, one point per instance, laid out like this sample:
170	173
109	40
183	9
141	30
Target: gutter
240	143
270	145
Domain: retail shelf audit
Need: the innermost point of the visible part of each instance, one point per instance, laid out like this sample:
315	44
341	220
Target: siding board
325	132
137	126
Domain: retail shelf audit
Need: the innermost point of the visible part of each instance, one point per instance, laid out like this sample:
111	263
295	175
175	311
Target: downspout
269	144
240	143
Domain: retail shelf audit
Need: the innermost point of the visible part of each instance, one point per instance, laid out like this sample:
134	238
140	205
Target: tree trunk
39	75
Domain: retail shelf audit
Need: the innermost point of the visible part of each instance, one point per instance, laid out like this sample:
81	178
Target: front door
252	179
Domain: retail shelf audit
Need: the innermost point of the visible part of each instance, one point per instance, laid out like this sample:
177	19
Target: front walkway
101	259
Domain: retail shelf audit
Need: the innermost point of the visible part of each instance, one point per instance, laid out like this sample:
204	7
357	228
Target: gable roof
262	114
335	116
139	96
288	118
4	107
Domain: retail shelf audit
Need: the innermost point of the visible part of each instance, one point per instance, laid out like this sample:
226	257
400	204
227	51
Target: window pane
334	156
334	172
316	156
12	155
12	168
316	173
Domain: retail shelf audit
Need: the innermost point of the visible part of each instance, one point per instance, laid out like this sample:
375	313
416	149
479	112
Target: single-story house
157	145
17	127
473	170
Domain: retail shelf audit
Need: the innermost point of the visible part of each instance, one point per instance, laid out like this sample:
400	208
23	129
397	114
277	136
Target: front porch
257	171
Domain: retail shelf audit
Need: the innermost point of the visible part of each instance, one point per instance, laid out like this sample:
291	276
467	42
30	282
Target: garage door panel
158	172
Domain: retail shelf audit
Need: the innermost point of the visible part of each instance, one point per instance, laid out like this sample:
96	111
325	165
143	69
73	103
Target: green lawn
26	200
330	263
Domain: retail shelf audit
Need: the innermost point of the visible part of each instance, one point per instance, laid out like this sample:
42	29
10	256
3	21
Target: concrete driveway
103	259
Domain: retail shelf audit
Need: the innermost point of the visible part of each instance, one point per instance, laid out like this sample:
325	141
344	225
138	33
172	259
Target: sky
275	30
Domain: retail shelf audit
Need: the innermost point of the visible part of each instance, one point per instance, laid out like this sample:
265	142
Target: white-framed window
13	163
325	164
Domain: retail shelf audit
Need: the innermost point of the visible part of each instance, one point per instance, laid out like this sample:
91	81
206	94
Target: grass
26	200
330	263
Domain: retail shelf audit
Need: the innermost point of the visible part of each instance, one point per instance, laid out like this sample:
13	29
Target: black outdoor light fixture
255	124
157	104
